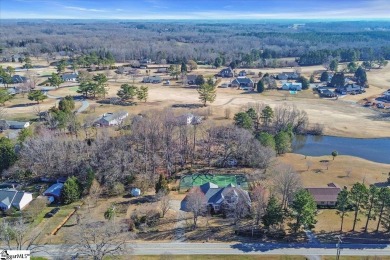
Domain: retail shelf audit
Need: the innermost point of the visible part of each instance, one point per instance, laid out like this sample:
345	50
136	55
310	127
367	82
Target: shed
135	192
54	191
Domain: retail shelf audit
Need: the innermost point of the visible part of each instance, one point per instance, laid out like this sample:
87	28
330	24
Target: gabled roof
11	197
328	194
152	78
16	124
54	190
292	84
113	116
242	80
69	76
18	79
215	194
226	70
191	77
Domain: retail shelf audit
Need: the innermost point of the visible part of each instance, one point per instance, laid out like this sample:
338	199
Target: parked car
367	104
52	212
380	105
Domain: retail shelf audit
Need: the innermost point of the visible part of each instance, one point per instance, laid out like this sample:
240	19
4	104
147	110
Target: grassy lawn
47	225
222	180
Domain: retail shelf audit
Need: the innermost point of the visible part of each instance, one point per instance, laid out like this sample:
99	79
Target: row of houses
12	198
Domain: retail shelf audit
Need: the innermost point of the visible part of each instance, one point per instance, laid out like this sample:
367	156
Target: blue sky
195	9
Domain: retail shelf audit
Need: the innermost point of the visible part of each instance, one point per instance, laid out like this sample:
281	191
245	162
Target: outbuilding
135	192
54	191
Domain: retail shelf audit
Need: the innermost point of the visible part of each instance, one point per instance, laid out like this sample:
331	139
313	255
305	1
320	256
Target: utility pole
338	247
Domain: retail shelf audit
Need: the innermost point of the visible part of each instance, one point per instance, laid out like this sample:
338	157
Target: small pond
373	149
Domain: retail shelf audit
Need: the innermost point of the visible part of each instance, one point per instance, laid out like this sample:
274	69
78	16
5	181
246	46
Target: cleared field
342	117
222	180
344	170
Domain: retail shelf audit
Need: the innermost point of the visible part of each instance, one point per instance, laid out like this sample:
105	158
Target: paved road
54	251
84	103
84	106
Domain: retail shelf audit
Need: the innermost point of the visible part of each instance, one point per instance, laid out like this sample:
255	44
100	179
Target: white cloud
85	9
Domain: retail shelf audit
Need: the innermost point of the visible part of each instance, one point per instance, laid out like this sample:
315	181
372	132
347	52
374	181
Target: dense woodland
249	43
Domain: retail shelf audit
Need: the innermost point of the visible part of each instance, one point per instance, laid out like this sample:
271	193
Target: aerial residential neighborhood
194	130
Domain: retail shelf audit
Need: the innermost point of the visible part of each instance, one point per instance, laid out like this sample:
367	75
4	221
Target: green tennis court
222	180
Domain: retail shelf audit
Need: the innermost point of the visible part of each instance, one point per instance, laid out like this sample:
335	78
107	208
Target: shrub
116	189
71	191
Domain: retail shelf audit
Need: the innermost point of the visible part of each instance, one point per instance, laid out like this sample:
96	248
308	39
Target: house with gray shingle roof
349	88
69	77
152	79
216	196
110	119
226	73
5	124
13	198
292	86
288	75
242	82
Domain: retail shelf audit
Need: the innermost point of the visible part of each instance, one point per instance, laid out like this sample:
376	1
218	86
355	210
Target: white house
292	86
13	198
110	119
188	119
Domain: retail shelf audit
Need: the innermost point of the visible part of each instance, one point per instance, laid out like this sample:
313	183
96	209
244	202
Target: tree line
147	145
373	203
246	44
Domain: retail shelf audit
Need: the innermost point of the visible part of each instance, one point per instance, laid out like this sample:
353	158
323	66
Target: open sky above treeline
195	9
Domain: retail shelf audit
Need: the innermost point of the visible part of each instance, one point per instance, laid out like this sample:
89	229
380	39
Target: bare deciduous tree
164	203
259	197
286	183
196	203
99	240
288	115
14	235
236	204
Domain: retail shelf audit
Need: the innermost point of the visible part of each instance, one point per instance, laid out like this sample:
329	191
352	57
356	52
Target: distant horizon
348	10
205	20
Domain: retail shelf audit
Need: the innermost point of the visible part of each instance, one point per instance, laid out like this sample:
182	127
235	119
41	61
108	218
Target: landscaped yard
222	180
